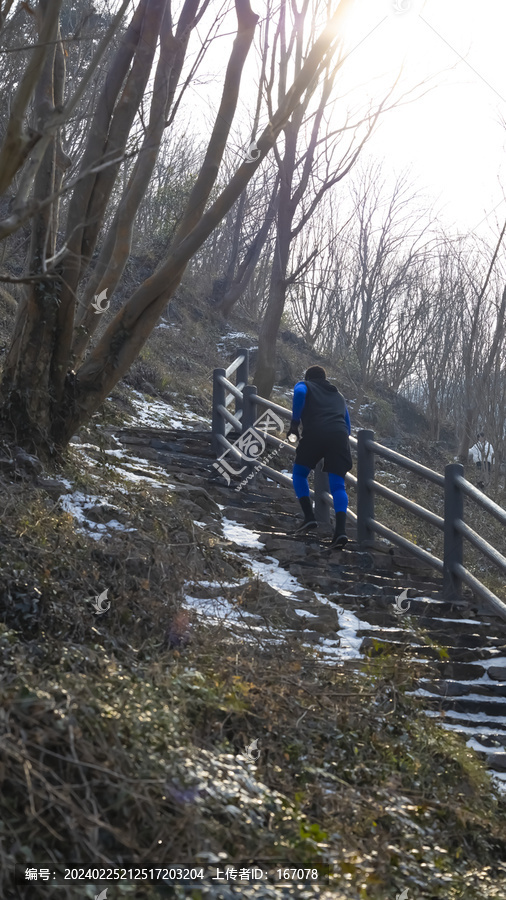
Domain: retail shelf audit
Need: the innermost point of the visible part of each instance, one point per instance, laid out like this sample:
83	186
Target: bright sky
452	139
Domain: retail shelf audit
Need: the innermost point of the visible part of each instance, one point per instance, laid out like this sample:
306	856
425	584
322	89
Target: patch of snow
157	412
466	729
239	534
237	335
473	742
465	621
286	584
77	503
217	606
220	584
136	478
474	717
480	698
165	325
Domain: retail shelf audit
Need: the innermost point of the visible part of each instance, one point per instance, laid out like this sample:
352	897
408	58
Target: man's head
315	373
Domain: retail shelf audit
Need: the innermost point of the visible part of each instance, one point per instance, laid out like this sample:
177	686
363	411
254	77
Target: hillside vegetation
124	736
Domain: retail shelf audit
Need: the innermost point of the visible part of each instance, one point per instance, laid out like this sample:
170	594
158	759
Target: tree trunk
116	248
265	375
39	340
27	373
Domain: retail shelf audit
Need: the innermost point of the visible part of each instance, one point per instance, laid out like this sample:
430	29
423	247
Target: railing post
242	377
365	494
453	540
243	370
218	422
249	410
321	485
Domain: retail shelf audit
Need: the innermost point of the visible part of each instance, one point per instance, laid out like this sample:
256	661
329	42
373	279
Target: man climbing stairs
351	602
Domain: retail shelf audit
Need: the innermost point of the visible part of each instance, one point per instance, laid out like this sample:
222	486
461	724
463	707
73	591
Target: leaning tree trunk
27	371
117	244
43	334
128	332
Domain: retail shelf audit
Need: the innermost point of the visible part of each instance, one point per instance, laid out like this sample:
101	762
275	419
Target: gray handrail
455	530
233	390
221	383
406	462
234	421
408	504
485	502
395	538
481	544
483	592
238	361
269	404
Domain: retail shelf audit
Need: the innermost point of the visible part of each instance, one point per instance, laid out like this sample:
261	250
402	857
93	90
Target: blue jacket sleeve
348	423
299	398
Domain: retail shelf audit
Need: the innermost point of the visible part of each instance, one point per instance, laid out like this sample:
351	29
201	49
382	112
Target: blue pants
336	483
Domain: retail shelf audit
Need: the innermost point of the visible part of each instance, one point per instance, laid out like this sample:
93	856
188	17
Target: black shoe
340	539
309	523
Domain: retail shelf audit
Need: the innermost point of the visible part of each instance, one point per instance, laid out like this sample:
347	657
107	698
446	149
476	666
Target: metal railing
223	420
456	488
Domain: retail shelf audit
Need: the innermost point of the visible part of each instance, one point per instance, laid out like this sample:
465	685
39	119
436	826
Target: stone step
459	671
461	689
455	654
195	463
446	641
462	719
489	706
492	741
365	583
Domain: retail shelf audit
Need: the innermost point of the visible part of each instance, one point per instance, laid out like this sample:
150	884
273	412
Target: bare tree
44	398
311	298
314	157
479	356
240	268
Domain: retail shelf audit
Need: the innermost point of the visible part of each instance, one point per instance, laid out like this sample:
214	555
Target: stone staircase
346	600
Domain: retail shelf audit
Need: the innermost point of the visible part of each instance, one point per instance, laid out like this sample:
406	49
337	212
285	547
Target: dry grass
122	736
122	743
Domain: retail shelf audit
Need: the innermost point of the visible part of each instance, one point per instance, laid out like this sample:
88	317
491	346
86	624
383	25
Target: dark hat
315	373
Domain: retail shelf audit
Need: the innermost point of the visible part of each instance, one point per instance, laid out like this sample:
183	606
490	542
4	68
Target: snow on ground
473	742
127	466
164	325
245	339
76	505
269	571
156	413
220	610
239	534
130	469
349	641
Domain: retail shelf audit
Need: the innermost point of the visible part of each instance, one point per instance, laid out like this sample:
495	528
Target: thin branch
28	278
12	223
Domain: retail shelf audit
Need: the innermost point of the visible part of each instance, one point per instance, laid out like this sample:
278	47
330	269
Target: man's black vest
324	408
